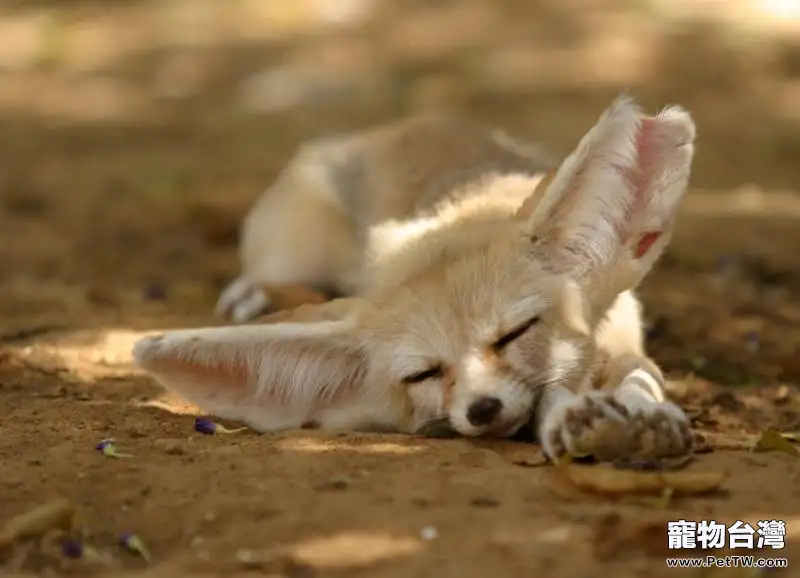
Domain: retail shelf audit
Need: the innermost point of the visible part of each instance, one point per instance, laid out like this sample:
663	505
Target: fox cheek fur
497	390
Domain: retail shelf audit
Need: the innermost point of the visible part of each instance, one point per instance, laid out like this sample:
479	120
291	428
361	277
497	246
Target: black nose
484	410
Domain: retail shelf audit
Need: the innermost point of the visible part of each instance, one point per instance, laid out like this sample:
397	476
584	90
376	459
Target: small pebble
249	558
334	483
698	362
154	292
782	394
484	502
726	263
751	341
421	502
429	533
170	447
100	296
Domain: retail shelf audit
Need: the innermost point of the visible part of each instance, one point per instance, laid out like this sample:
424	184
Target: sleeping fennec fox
479	293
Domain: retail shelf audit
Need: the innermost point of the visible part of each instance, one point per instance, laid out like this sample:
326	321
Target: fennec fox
482	296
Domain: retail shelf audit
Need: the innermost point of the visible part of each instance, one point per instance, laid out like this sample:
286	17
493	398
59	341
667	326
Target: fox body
482	293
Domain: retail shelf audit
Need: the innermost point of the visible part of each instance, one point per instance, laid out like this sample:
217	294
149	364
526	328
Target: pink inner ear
645	243
645	148
213	381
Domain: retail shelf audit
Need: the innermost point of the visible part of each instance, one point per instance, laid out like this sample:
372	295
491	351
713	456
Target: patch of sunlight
557	535
792	525
746	200
170	403
353	549
781	9
90	354
328	445
764	16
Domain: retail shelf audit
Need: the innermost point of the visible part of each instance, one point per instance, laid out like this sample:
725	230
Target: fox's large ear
608	212
271	377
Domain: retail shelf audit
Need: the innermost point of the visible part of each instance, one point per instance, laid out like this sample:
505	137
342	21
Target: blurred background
135	135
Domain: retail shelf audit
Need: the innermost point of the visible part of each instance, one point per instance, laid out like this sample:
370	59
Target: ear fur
572	308
608	212
271	377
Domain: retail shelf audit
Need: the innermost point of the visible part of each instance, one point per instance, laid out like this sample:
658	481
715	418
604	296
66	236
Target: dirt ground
115	226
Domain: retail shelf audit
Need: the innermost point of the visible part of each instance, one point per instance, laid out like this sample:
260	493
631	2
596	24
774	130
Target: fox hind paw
242	300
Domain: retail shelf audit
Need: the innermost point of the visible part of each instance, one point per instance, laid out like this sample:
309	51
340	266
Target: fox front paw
242	300
602	425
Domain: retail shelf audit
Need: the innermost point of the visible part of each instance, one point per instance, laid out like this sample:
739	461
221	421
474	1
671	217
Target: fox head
474	314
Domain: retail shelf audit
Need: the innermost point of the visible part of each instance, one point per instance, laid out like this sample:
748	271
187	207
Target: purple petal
154	292
72	549
204	426
726	262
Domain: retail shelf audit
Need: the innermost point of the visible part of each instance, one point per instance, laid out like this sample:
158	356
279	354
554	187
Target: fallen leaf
654	465
525	455
708	441
792	436
536	460
772	440
605	480
568	459
664	500
56	514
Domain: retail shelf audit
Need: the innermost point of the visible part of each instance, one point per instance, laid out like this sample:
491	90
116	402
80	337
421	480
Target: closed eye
515	334
419	377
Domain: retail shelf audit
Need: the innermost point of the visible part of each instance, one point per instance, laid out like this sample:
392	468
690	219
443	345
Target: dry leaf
568	459
534	459
712	441
792	436
56	514
772	440
612	481
664	500
520	454
654	465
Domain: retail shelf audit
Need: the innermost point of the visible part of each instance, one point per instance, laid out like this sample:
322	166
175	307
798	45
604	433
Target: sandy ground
110	230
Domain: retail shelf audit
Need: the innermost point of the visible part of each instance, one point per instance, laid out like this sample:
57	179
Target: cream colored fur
482	298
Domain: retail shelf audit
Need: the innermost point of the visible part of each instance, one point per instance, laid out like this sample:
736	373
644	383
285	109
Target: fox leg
333	310
623	411
298	246
244	299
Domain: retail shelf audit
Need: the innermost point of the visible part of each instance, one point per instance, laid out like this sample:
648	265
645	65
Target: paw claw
602	425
